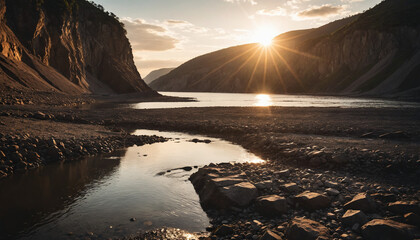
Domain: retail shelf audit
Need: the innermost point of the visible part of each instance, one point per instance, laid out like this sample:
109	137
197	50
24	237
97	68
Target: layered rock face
373	53
68	46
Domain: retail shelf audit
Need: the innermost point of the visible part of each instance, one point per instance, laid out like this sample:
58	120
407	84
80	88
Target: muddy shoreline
379	149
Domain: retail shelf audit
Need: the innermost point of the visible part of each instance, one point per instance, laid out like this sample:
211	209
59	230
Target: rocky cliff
374	53
71	46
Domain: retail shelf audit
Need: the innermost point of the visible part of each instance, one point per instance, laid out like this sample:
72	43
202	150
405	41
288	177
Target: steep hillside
373	53
70	46
156	74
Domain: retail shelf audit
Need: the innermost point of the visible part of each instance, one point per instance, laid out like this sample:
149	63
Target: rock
387	230
187	169
330	184
332	191
264	185
351	217
283	173
40	115
223	192
241	194
290	187
384	197
271	205
269	235
402	207
305	229
361	201
223	230
312	201
412	218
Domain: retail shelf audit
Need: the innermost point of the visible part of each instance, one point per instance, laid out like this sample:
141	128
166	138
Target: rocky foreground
330	173
268	201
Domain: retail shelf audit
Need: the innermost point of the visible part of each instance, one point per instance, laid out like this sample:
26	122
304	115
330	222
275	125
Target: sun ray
253	72
240	67
278	72
296	51
288	67
224	64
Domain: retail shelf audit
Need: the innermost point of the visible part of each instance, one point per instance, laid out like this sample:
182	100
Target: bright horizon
167	33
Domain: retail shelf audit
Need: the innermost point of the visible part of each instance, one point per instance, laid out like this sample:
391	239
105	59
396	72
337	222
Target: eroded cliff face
79	42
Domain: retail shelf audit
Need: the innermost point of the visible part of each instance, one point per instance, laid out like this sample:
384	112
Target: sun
264	35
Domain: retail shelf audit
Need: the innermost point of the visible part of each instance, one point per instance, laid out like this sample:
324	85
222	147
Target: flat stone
271	205
290	187
363	202
387	230
269	235
241	194
312	201
264	184
352	217
332	191
305	229
330	184
403	207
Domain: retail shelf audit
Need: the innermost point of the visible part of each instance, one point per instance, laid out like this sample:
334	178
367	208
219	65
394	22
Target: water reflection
263	100
28	201
96	198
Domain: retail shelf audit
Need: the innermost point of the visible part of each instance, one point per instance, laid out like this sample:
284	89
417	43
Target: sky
167	33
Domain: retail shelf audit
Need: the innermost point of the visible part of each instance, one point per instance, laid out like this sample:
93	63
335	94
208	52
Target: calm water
97	197
263	100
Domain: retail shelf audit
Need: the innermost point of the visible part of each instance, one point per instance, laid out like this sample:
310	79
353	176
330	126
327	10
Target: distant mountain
68	46
156	74
373	53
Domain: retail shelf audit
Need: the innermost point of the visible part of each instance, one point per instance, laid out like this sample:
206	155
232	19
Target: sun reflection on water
255	160
263	100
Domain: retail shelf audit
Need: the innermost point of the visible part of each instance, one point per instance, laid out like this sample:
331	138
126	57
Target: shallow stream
116	195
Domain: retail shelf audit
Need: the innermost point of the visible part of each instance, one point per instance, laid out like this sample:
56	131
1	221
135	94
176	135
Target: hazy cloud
320	11
253	2
150	37
279	11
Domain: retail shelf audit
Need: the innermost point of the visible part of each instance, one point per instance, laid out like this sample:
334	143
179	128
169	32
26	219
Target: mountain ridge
344	57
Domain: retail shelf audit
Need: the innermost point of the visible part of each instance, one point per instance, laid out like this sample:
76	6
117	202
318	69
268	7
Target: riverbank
358	150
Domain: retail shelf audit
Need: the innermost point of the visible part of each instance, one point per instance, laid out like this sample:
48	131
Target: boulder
271	205
219	190
312	201
351	217
269	235
403	207
305	229
387	230
363	202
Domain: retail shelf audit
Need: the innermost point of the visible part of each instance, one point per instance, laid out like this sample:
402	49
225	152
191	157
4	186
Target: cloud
252	2
149	37
279	11
321	11
156	63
